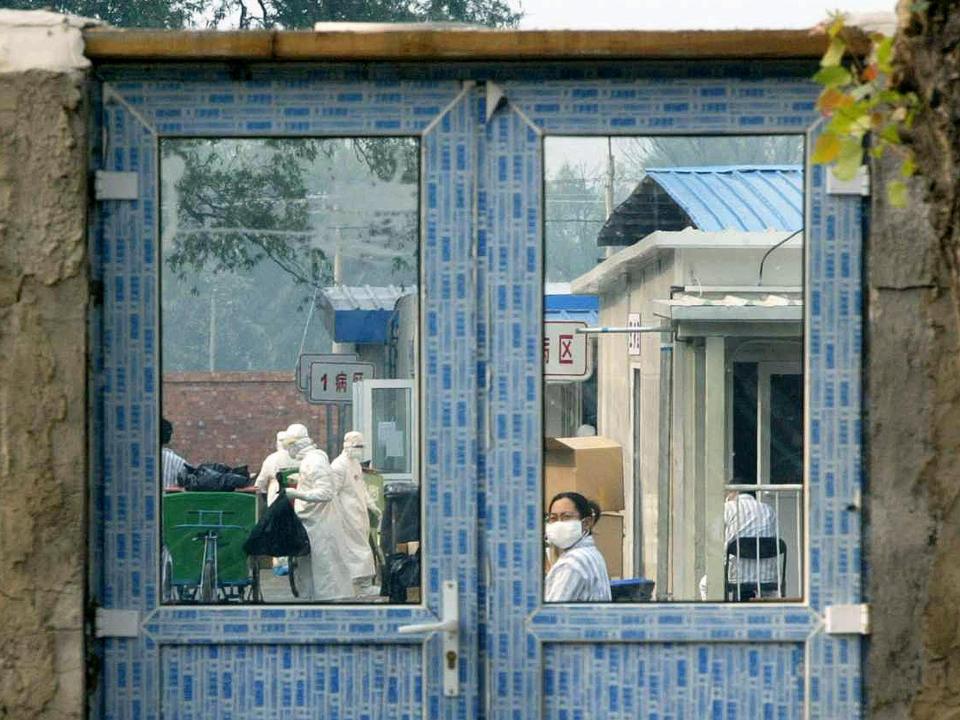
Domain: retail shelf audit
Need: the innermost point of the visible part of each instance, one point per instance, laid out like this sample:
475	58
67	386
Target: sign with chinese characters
633	321
334	381
307	359
564	351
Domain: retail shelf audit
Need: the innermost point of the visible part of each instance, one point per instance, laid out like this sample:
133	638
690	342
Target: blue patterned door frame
289	661
481	265
661	660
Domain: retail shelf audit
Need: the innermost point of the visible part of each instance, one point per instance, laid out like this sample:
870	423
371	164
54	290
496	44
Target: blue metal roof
736	197
585	308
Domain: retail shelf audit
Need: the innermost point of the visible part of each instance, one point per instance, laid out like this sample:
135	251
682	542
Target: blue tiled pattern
295	682
486	296
714	681
203	101
511	262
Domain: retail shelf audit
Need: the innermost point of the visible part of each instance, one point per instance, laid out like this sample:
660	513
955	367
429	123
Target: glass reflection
673	385
289	302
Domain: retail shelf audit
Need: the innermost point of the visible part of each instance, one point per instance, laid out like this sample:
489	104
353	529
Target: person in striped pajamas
170	462
580	572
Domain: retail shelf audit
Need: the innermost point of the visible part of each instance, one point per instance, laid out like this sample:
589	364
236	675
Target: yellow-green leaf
833	76
849	159
834	53
897	193
836	23
890	134
861	125
827	149
909	167
831	99
884	53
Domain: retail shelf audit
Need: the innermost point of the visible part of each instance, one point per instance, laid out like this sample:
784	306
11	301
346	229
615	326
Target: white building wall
616	412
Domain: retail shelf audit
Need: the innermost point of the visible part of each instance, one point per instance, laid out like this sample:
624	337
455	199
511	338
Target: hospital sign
564	351
334	381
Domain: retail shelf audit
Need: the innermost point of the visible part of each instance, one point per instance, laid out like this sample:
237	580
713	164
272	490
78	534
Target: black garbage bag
279	532
402	572
213	477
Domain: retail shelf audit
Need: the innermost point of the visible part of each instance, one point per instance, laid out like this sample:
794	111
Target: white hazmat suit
325	573
356	503
274	462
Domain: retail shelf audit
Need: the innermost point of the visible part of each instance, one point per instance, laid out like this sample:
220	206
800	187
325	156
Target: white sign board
633	321
303	365
564	351
333	381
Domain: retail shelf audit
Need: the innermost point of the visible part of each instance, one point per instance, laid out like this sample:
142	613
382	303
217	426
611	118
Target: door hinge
96	292
108	622
858	185
847	619
116	185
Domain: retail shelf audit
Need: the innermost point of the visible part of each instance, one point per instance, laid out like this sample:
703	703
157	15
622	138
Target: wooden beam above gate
410	44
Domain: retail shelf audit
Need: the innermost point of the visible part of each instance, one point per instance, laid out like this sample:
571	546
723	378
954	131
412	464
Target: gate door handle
449	625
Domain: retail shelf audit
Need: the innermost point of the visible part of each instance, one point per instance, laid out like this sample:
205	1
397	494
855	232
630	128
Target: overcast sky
686	14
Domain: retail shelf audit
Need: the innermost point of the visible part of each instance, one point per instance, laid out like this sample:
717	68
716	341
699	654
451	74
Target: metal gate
481	208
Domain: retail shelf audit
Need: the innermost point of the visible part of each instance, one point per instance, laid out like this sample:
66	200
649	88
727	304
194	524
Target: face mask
355	453
564	533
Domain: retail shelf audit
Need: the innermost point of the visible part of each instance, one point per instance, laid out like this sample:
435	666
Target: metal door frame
138	105
662	99
486	278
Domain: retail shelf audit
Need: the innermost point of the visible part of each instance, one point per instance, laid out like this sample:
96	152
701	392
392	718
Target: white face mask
564	533
355	453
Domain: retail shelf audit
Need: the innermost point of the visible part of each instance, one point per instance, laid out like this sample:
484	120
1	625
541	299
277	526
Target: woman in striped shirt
580	573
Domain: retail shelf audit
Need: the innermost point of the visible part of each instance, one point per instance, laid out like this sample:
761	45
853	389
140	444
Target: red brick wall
233	417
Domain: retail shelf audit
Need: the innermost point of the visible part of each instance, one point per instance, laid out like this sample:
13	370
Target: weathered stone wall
43	303
913	435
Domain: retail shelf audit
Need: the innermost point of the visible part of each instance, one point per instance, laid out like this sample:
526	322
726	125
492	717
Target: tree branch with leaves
862	103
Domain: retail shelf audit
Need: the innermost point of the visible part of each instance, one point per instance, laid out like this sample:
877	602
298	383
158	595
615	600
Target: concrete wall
913	500
44	293
616	392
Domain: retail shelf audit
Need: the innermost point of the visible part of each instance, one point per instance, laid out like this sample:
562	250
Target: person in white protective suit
280	459
324	574
357	504
266	481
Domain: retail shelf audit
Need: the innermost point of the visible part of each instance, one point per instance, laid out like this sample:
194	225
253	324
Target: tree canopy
291	14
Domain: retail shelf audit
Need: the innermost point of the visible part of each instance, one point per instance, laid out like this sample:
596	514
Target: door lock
449	625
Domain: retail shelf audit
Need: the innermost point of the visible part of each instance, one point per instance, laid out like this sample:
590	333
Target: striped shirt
744	517
580	574
170	465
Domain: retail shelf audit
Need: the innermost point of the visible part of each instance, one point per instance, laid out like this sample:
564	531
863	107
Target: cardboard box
608	535
591	466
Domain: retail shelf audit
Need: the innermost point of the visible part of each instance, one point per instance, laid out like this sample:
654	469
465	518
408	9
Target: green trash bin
204	533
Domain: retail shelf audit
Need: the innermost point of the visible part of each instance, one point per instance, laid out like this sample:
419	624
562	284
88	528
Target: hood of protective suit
353	446
353	439
296	440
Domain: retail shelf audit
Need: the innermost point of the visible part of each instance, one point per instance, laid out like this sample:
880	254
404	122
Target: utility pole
212	339
608	194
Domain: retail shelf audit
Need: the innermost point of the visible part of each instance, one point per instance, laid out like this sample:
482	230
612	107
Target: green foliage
245	205
291	14
129	13
304	13
862	103
575	213
250	228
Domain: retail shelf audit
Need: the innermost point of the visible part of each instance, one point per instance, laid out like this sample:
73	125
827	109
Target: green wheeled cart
204	533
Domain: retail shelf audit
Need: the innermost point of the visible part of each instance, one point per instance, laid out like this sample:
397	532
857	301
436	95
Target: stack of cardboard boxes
593	467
